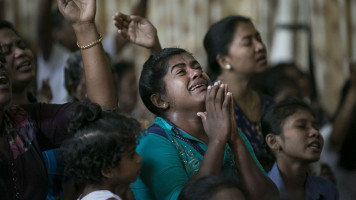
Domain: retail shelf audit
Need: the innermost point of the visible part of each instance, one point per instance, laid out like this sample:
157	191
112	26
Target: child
102	154
211	188
291	132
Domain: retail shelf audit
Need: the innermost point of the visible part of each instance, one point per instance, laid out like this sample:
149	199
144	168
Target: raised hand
137	30
217	118
78	11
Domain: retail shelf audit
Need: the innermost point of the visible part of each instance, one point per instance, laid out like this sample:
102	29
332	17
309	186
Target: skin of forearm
212	160
99	80
257	185
343	119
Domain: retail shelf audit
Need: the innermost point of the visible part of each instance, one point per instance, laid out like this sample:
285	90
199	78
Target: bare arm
44	28
99	79
256	184
346	114
217	127
138	10
137	30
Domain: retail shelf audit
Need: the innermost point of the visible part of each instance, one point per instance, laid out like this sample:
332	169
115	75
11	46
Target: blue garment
171	158
316	187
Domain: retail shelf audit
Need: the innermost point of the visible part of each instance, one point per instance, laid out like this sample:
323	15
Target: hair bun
82	115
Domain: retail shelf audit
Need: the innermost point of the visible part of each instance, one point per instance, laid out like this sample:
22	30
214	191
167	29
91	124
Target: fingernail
209	87
216	83
222	85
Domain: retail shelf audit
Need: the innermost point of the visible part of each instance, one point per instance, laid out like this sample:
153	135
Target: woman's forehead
181	58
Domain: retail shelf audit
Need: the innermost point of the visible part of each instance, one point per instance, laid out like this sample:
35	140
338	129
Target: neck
19	94
239	86
294	174
19	98
189	122
248	100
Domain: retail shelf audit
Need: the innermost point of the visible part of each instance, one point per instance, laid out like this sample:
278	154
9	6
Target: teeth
193	88
315	145
3	79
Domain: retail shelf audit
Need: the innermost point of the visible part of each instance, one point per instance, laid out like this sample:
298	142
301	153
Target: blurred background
318	35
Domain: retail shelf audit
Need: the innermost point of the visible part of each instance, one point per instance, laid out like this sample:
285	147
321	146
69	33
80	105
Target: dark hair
151	79
57	19
273	119
73	69
9	25
206	187
101	137
122	67
217	41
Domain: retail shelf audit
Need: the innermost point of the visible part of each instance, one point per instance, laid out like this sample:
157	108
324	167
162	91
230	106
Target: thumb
202	116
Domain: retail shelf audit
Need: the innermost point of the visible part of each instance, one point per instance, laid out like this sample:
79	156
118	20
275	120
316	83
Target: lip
24	66
315	146
199	85
262	59
4	80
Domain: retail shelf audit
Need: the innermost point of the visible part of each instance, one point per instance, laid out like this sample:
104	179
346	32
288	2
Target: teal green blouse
169	160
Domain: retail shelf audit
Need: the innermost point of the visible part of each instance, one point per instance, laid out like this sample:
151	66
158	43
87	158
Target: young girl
102	154
291	132
195	133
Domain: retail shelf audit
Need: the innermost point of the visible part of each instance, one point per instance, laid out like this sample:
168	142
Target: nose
259	46
18	52
195	73
139	158
314	132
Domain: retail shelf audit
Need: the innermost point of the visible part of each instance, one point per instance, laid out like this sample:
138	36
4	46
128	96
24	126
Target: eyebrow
191	63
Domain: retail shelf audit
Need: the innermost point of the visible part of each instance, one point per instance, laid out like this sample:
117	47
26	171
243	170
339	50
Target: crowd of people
243	130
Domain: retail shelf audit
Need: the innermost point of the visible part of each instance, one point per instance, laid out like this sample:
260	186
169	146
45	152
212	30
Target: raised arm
97	71
346	113
256	184
137	30
139	10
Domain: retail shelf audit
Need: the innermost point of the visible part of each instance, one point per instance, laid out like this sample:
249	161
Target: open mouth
316	146
24	66
197	86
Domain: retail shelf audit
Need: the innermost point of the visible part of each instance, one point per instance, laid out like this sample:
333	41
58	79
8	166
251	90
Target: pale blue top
170	157
316	187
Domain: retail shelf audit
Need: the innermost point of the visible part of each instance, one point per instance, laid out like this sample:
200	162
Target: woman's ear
272	142
107	172
159	101
223	61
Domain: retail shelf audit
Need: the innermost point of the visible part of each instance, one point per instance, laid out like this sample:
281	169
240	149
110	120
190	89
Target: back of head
151	79
100	140
274	117
122	67
73	69
207	187
218	39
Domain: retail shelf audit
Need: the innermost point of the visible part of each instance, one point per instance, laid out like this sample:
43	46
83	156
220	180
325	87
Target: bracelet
91	44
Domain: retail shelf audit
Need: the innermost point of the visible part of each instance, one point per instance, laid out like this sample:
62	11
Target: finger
124	17
202	116
210	98
219	98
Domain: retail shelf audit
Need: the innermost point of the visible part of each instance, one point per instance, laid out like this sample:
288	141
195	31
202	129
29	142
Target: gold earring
164	105
278	148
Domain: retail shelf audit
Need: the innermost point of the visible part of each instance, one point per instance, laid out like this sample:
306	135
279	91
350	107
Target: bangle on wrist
91	44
